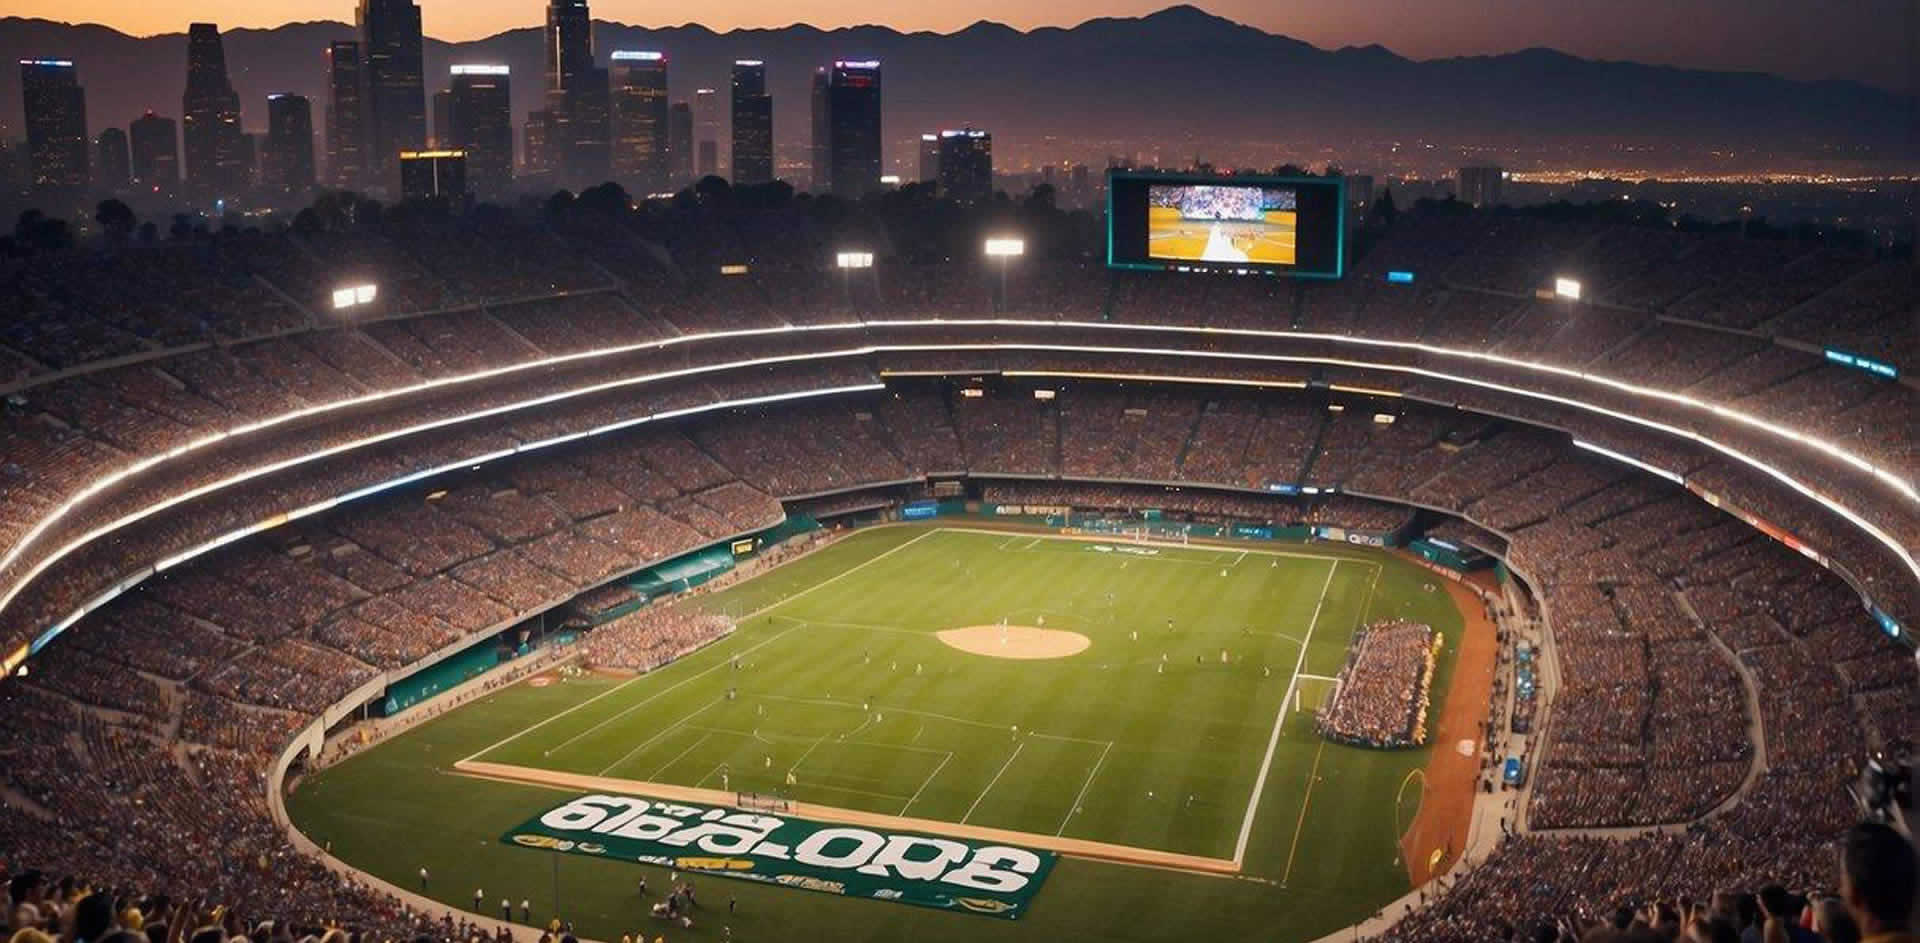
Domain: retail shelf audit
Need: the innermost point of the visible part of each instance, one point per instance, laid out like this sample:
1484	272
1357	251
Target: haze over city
1860	40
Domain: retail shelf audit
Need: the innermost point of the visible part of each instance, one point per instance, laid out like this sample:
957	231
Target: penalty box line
637	678
1279	720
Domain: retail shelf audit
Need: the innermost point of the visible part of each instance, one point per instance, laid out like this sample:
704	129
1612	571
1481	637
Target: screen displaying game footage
1246	225
1195	222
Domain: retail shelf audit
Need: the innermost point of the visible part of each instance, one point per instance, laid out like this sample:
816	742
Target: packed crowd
648	638
61	433
1665	612
1383	691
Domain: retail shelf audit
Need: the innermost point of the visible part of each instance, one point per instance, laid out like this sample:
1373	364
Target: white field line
1116	539
849	789
649	699
1302	821
829	702
861	565
1279	719
996	778
717	767
843	574
926	782
1083	789
861	626
616	688
663	732
803	757
1367	604
1318	677
704	737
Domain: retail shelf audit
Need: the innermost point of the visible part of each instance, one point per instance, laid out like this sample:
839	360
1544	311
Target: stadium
573	561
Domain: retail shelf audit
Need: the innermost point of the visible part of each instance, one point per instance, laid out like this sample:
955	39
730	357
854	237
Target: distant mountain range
1180	77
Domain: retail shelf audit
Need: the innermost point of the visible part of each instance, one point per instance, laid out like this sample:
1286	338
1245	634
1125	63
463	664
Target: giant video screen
1274	225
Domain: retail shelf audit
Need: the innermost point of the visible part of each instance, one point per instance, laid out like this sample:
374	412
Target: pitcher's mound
1016	641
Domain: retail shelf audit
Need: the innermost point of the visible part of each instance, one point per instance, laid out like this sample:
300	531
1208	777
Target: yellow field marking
1301	823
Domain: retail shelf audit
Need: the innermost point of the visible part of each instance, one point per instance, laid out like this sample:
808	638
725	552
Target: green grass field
1144	739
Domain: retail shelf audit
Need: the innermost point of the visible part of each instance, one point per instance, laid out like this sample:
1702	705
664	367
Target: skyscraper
577	94
112	166
929	157
680	144
706	131
853	127
156	151
287	163
1481	186
542	150
346	116
590	128
818	151
210	116
56	113
640	119
752	124
395	83
481	124
441	134
966	164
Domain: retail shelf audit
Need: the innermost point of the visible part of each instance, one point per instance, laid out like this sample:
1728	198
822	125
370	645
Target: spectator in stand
1877	875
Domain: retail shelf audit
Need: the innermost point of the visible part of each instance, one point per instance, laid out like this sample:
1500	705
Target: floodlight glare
1567	288
1006	247
854	260
354	296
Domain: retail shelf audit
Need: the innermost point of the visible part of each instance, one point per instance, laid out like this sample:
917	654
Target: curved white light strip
1900	485
276	520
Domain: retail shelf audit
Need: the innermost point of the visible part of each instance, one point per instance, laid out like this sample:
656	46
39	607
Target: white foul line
1279	718
996	778
663	732
1083	789
927	782
704	737
865	563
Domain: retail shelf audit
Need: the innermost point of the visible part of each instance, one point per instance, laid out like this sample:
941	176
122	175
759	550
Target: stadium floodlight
852	260
353	296
1006	247
475	69
1568	288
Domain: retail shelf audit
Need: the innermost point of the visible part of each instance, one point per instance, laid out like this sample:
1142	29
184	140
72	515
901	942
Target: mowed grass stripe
1181	730
1345	862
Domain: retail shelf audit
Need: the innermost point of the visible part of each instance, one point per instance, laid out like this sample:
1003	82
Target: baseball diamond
1165	735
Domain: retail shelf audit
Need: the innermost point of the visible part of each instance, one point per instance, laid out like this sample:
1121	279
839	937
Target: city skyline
1861	41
